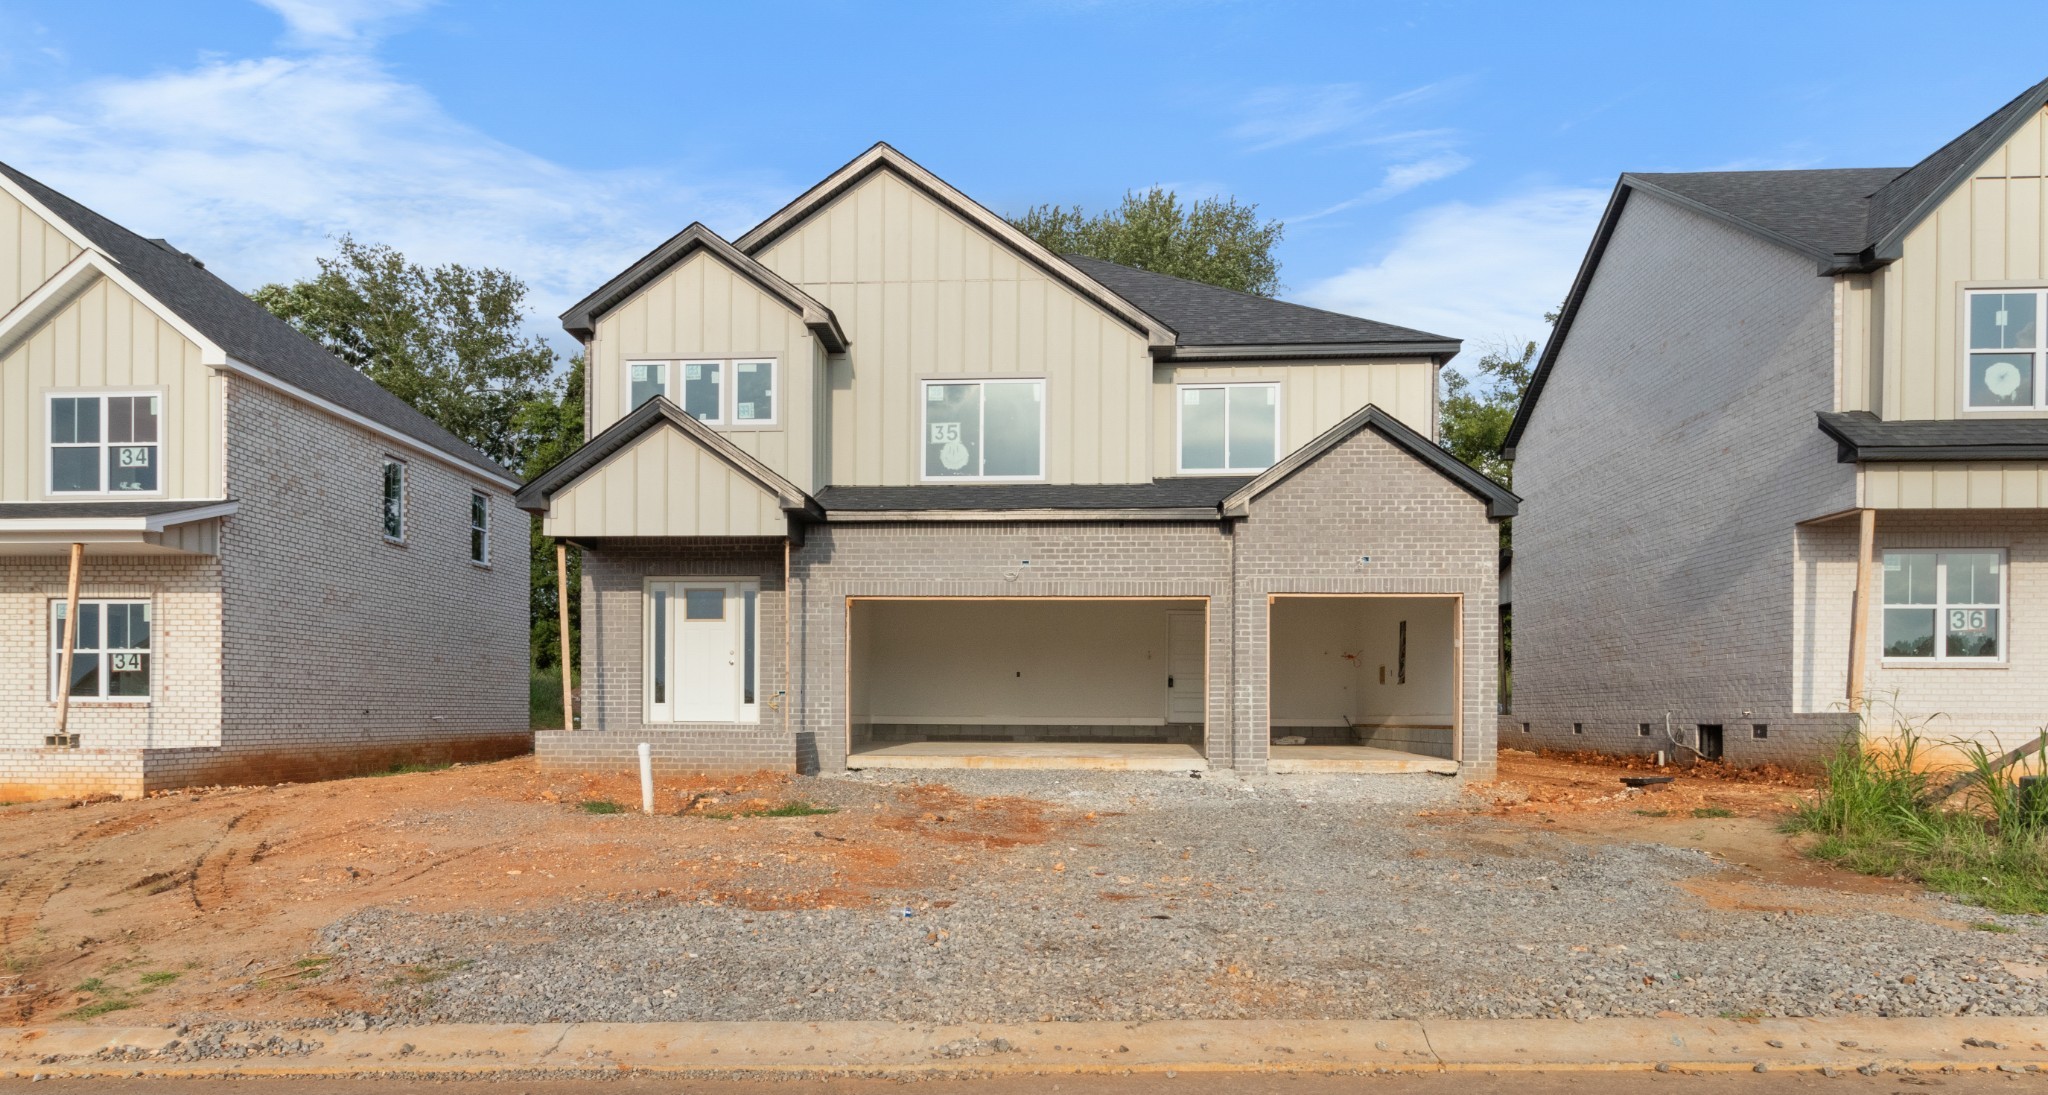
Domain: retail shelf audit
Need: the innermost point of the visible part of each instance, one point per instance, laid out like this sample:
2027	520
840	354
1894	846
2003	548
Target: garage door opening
1364	683
1117	683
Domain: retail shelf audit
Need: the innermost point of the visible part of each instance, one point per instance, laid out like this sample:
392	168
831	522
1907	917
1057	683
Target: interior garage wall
1010	662
1327	657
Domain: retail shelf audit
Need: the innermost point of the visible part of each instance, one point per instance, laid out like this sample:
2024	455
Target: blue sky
1438	164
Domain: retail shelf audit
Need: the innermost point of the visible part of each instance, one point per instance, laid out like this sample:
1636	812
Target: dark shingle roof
1893	206
1192	493
1824	211
245	329
1861	435
1204	315
148	508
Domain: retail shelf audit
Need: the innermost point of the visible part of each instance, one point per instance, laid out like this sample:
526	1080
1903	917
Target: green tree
1218	241
555	425
448	340
1474	412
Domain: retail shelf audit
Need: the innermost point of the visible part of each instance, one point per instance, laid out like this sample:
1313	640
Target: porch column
1859	623
70	639
568	662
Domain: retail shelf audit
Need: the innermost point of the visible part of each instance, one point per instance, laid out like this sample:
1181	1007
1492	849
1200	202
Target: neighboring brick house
284	572
1788	415
885	483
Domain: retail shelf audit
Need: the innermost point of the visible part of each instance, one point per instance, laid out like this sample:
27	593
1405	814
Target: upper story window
2008	350
105	444
1944	605
1229	427
479	528
984	429
725	392
394	500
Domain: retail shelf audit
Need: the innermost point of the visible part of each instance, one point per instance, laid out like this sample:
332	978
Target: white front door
698	652
1187	698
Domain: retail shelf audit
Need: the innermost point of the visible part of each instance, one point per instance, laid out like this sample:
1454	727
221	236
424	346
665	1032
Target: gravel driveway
1313	897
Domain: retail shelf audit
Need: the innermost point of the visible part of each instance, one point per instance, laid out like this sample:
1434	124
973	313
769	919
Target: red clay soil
212	901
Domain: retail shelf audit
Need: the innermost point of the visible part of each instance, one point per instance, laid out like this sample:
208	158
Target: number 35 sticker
943	432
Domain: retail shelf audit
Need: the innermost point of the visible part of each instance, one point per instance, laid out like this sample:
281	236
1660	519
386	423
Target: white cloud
1277	116
1484	273
334	22
1399	179
255	164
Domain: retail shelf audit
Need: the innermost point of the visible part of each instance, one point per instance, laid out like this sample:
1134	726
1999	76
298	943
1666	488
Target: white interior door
1187	692
707	652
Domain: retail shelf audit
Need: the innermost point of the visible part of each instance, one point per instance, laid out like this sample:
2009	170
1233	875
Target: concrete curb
859	1048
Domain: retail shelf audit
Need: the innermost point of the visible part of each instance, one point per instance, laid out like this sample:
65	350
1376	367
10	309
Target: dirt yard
466	892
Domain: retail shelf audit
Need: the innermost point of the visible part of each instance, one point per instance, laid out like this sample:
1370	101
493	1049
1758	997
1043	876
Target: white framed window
1944	606
479	528
394	500
2007	338
1228	428
105	443
702	647
111	658
985	430
741	392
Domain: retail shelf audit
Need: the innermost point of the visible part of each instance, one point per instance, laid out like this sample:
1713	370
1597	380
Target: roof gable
1909	198
237	328
581	319
658	413
1500	501
883	158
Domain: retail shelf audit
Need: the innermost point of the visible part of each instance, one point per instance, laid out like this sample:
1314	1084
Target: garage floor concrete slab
1099	756
1363	759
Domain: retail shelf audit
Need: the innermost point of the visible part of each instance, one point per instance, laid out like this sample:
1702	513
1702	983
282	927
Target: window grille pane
74	421
127	674
394	500
700	390
1909	578
1254	427
75	469
753	391
85	674
1972	578
649	379
2001	380
952	440
1909	633
1010	429
1201	428
703	604
1972	632
130	467
2003	321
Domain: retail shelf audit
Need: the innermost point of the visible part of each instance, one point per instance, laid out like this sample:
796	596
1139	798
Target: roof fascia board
1892	246
18	193
1824	258
1851	453
1264	351
1500	502
1581	282
74	278
250	372
883	157
155	522
161	521
581	319
599	451
1176	513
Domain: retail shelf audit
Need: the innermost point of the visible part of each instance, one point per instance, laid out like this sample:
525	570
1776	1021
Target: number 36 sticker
1968	619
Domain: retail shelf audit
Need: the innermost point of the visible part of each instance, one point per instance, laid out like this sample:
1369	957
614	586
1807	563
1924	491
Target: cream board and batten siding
923	293
1992	230
702	309
2014	485
664	484
1313	397
106	340
32	250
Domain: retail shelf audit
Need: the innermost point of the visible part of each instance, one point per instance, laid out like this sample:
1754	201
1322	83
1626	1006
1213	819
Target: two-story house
226	556
1786	458
883	482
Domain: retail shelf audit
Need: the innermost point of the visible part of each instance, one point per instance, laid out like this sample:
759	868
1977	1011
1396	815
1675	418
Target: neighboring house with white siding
1786	458
281	570
883	482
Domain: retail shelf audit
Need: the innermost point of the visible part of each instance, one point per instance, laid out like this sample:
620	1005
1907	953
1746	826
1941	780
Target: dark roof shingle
1823	210
1205	315
1861	435
245	329
1191	493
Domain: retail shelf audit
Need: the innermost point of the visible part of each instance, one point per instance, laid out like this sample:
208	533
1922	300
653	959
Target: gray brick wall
1365	498
1663	473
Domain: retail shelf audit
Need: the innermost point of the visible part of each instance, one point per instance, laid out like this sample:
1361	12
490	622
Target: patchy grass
1988	845
787	809
544	699
99	1007
601	806
408	768
426	973
1713	811
1988	926
159	978
1653	813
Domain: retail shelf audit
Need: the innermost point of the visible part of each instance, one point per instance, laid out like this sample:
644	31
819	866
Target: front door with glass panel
701	651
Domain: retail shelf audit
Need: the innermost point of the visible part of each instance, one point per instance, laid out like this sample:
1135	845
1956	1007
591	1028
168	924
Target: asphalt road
1578	1083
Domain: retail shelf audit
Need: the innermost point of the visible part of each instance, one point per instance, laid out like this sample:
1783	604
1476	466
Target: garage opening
1114	683
1364	683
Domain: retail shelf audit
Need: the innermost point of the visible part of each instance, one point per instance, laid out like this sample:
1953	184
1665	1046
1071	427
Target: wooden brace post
1859	623
70	640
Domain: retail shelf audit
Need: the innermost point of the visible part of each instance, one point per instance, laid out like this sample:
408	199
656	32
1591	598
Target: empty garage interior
1027	682
1364	683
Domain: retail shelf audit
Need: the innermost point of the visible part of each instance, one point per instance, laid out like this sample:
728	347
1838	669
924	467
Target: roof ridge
1071	256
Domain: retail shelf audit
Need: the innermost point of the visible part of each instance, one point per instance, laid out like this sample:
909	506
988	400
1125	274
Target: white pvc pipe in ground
646	778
